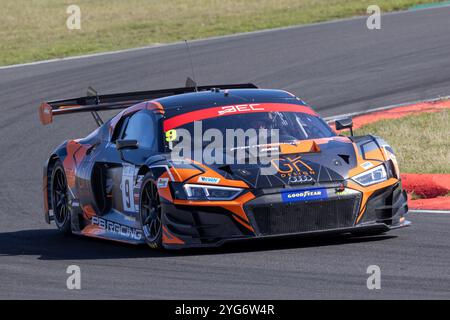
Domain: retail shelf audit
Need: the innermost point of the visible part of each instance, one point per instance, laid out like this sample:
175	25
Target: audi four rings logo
300	179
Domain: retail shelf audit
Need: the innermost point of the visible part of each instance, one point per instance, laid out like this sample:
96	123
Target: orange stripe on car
169	238
307	146
75	154
367	192
88	211
156	106
235	206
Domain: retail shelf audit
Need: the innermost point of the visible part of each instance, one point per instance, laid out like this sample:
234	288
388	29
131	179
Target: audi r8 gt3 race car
124	181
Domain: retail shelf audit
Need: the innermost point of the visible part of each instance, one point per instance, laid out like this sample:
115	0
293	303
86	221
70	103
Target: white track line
429	211
235	35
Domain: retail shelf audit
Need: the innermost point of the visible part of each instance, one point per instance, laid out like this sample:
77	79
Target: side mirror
126	144
345	123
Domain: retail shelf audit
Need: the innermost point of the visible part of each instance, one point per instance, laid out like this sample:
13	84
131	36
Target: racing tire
60	201
150	214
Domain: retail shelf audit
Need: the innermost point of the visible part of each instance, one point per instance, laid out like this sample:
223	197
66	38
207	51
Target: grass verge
421	142
33	30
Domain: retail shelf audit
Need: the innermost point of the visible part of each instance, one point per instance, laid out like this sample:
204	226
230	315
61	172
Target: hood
327	160
303	163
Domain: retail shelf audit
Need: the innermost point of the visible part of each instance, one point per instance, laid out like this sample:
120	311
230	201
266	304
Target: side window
141	127
121	124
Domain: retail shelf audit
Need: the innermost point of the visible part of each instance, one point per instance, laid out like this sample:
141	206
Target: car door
123	165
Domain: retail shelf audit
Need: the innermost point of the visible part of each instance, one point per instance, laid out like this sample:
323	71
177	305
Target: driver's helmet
261	120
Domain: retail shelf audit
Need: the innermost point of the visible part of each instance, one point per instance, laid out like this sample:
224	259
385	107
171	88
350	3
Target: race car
125	182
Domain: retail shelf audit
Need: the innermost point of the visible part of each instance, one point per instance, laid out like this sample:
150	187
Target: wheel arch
143	170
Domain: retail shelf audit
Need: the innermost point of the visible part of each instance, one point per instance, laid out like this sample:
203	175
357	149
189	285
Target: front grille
297	217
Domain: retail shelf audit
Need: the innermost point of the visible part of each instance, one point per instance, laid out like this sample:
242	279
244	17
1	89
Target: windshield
290	126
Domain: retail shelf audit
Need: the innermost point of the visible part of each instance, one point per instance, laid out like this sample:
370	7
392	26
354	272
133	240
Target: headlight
203	192
372	176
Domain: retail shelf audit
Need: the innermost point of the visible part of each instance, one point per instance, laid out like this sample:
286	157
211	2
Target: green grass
33	30
421	142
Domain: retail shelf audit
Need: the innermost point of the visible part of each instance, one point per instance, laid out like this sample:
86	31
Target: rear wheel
150	213
60	198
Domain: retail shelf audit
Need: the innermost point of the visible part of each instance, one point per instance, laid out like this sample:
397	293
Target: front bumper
270	217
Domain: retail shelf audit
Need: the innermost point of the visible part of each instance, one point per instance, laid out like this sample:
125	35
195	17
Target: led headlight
206	192
372	176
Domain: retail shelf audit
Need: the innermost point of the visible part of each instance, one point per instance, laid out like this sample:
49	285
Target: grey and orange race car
122	182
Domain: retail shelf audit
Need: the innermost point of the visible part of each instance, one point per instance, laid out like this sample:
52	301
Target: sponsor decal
117	228
171	135
304	195
343	192
240	108
127	187
208	113
293	169
208	180
162	182
75	203
367	165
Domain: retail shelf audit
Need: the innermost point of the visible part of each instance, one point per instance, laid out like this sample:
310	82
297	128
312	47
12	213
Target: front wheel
60	199
150	213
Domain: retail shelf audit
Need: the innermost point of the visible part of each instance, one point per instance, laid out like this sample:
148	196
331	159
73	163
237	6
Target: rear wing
94	102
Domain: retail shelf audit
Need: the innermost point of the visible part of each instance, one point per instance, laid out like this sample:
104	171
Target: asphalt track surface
337	67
